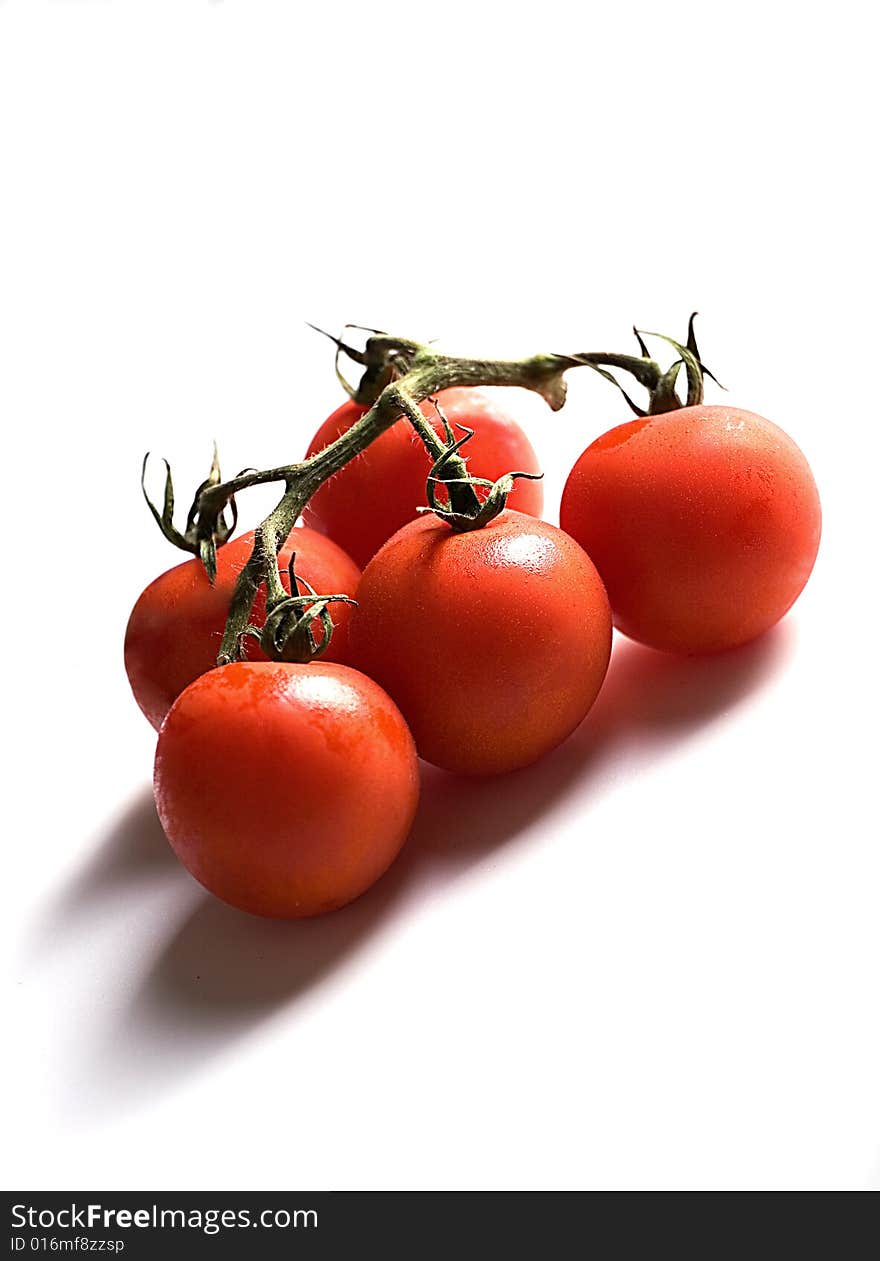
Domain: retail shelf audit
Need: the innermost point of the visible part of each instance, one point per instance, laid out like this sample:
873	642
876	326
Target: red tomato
175	627
494	643
381	490
704	524
287	790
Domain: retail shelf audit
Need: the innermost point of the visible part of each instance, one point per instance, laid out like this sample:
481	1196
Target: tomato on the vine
383	488
704	524
493	642
176	625
286	790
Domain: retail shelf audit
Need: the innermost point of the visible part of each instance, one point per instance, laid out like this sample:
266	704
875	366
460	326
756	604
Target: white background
651	960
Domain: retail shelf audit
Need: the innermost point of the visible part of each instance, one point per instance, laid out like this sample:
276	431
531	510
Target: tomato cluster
288	789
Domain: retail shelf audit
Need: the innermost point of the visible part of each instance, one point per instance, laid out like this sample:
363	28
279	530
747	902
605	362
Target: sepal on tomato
203	534
487	508
660	384
288	633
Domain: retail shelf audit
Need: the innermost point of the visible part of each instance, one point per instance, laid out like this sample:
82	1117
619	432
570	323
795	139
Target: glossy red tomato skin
176	625
493	643
286	790
704	524
382	489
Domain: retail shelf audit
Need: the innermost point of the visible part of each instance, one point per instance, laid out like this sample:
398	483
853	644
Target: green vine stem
398	375
425	373
660	384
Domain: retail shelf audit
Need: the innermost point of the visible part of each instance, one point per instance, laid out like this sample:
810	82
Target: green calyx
205	531
660	383
288	633
480	510
384	359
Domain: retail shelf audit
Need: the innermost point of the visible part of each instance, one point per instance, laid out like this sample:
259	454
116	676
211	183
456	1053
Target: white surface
652	959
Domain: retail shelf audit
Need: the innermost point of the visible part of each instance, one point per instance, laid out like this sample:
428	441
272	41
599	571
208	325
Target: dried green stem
427	373
463	498
399	375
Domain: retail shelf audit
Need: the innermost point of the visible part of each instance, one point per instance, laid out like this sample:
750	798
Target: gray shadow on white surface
218	972
133	851
216	975
650	704
133	854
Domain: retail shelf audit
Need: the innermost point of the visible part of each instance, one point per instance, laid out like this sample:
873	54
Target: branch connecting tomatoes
384	488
